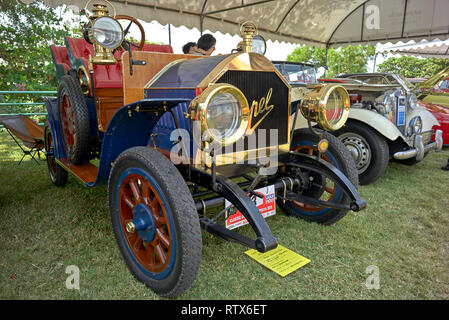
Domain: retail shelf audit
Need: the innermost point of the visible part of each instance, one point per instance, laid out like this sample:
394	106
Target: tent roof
439	49
314	22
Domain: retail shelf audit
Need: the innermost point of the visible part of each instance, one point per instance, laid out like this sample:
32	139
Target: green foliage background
350	59
412	67
26	32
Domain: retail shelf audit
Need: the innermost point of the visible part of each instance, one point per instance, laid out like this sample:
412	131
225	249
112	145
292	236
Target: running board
86	173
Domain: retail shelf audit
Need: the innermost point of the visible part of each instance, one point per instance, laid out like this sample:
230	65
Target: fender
428	119
52	110
130	127
378	122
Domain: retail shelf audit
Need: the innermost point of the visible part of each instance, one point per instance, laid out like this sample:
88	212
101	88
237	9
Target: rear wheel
155	221
74	119
58	174
322	187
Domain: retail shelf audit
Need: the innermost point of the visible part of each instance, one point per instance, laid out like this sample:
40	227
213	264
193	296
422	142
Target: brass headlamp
327	105
104	32
220	113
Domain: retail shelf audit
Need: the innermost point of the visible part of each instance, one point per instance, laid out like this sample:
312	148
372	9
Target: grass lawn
403	232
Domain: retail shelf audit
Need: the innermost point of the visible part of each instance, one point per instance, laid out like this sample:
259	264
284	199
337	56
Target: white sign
265	204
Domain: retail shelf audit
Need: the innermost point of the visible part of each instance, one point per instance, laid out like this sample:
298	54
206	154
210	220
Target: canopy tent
315	22
424	49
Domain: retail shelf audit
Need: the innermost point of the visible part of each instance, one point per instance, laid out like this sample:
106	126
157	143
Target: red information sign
265	204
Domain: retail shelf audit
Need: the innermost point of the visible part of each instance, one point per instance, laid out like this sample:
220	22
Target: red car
442	115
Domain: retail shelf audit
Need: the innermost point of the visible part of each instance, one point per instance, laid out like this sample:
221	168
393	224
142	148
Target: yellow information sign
280	260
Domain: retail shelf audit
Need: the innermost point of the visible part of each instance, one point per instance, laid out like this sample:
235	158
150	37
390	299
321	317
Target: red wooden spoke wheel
144	217
327	189
322	187
58	175
74	120
68	122
155	221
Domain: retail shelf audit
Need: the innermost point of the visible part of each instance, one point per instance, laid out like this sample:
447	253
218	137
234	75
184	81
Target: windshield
298	74
403	82
384	79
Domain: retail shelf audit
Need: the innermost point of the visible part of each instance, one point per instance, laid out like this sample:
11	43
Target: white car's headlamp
412	100
415	125
389	102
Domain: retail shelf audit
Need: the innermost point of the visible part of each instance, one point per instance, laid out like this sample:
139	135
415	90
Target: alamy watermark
373	280
73	280
372	17
259	148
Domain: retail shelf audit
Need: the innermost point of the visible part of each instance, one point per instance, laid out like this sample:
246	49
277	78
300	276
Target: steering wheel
125	31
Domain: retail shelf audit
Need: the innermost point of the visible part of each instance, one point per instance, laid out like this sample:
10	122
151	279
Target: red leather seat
106	76
164	48
60	56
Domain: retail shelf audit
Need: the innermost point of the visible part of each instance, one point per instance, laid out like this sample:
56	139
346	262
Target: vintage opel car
176	137
385	121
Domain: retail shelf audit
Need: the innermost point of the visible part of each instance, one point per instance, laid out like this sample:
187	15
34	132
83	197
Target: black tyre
305	141
368	148
74	119
155	221
58	174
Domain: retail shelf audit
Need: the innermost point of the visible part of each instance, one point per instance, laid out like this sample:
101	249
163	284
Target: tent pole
374	66
169	34
325	60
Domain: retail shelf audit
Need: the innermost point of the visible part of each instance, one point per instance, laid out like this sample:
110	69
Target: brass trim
237	157
100	9
248	30
103	55
314	106
198	112
86	86
242	61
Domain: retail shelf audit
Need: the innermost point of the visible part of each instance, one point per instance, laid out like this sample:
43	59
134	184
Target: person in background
189	48
206	45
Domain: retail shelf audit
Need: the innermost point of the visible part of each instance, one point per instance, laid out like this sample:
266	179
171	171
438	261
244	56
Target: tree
349	59
309	54
412	67
26	32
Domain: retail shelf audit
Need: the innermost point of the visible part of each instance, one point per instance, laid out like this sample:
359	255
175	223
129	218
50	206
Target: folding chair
31	134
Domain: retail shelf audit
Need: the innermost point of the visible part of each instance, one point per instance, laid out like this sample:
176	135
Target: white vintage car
385	120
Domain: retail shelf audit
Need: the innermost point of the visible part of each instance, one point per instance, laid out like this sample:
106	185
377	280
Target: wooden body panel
107	102
133	85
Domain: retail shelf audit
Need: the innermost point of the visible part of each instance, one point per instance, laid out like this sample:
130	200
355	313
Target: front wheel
155	221
322	187
368	148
